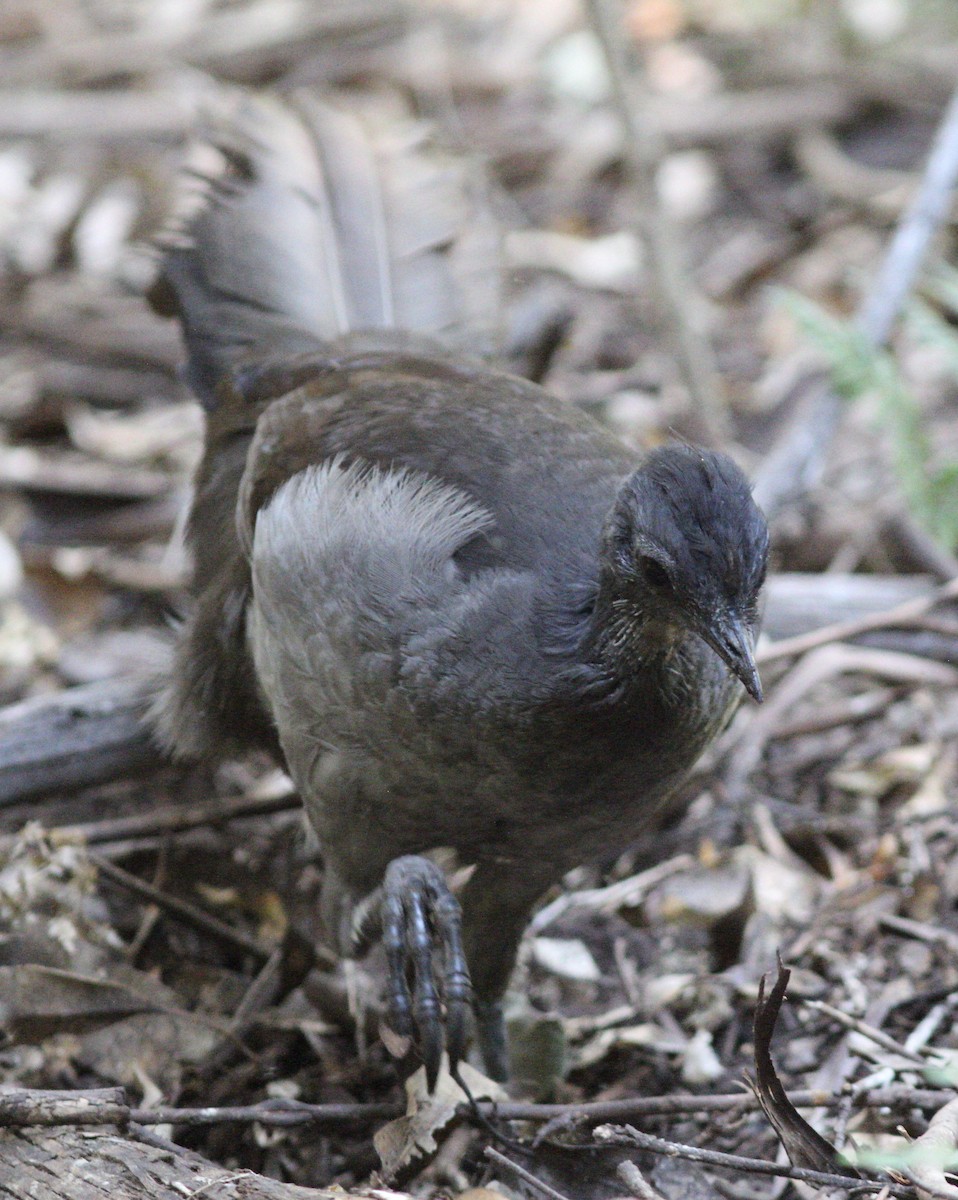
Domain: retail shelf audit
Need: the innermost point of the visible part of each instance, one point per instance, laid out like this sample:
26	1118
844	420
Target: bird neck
620	647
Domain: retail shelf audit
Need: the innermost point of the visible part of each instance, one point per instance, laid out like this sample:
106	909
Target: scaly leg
496	903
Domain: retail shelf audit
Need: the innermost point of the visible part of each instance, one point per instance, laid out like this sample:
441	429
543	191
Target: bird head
686	547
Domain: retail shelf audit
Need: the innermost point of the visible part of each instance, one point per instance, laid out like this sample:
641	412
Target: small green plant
858	368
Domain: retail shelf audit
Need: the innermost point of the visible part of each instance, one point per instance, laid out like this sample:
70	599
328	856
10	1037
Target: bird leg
421	918
491	1036
496	904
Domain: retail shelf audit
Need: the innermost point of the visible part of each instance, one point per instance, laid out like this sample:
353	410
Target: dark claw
419	916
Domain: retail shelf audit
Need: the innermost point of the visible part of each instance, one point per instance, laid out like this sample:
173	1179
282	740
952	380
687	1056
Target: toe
422	933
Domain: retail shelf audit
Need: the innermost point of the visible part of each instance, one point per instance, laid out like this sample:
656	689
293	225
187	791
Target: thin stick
645	150
597	1112
919	223
634	1180
866	1030
738	1162
107	1106
921	931
274	1114
184	911
176	819
523	1174
843	630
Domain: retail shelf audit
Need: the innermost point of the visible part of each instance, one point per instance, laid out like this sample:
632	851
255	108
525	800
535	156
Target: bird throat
632	650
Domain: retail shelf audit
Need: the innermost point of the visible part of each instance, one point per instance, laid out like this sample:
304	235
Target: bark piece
80	737
102	1164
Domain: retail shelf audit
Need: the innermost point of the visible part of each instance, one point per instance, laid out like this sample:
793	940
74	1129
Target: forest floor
159	931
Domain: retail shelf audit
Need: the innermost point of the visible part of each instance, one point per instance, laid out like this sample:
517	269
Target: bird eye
655	574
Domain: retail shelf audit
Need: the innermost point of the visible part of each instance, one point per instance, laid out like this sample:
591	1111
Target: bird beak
732	641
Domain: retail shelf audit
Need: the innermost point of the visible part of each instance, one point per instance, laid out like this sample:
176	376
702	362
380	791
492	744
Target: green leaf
858	368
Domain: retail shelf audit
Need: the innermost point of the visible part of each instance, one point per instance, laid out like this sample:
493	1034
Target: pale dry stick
636	1182
645	150
921	931
526	1176
796	462
841	631
616	895
922	219
760	114
825	662
926	1029
933	1153
866	1030
45	471
237	41
628	1135
169	114
849	711
166	115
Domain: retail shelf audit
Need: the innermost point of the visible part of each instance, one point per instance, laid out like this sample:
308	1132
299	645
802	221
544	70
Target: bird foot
422	921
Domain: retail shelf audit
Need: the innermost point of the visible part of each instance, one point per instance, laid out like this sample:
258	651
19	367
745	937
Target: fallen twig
178	818
841	631
629	1136
17	1106
623	893
182	910
634	1180
234	42
866	1030
682	307
921	220
921	931
526	1176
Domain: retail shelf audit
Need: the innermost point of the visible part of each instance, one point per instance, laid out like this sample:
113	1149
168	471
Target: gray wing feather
350	565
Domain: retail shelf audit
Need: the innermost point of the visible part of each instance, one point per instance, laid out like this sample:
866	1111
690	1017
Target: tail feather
360	253
296	225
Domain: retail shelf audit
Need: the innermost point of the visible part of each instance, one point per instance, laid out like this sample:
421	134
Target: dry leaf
414	1138
37	1001
903	765
568	957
